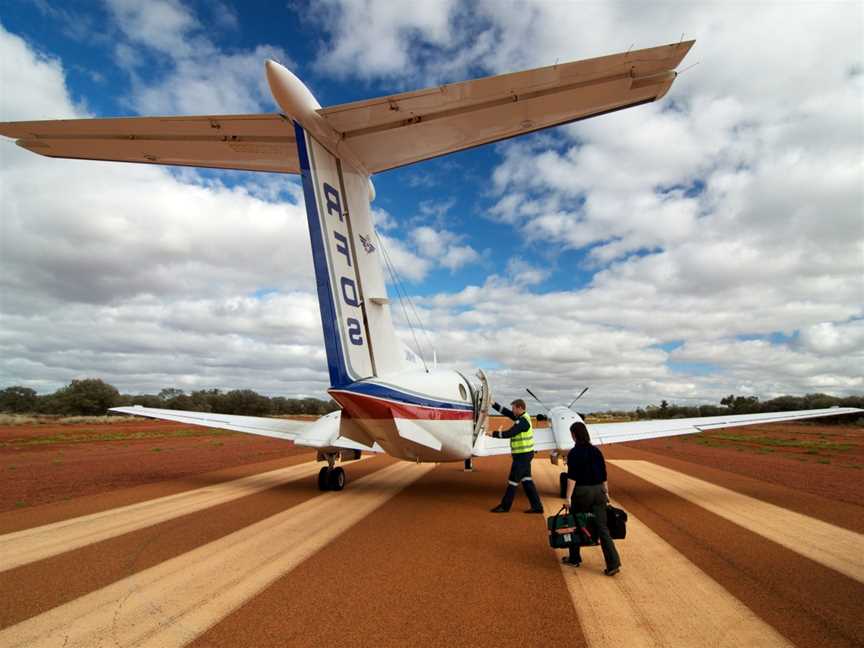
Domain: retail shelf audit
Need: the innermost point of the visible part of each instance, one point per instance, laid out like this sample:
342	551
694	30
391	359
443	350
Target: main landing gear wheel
323	484
562	481
331	479
336	479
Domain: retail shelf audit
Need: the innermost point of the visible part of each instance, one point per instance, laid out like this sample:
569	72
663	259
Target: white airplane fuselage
417	415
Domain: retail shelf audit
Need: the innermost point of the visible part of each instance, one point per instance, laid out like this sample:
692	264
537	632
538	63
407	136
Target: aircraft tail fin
359	335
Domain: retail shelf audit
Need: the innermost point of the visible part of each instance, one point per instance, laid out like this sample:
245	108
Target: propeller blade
537	399
582	393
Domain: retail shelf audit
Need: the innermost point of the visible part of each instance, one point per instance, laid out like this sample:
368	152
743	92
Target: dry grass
47	419
91	436
18	419
98	420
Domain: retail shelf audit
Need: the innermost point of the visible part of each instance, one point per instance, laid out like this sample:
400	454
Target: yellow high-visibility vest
524	441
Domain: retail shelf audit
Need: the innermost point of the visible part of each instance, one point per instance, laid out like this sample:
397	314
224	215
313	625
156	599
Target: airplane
389	400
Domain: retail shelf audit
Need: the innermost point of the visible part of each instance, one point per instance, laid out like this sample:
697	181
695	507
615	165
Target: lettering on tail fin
340	289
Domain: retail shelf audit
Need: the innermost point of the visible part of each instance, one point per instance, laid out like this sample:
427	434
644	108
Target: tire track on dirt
125	495
832	546
30	545
173	602
37	587
795	498
808	603
430	568
645	605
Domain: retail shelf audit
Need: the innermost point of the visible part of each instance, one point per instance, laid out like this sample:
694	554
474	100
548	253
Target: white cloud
38	80
372	39
443	247
406	263
194	77
162	25
144	276
730	210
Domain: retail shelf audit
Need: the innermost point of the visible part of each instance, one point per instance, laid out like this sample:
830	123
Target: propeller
581	394
534	396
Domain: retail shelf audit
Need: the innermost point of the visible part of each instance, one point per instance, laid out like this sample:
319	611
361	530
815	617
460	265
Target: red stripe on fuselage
363	406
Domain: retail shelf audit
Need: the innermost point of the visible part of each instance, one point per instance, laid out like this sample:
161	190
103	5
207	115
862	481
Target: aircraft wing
322	433
487	446
400	129
277	428
244	142
604	433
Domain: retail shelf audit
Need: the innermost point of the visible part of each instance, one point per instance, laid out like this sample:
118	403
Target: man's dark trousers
520	472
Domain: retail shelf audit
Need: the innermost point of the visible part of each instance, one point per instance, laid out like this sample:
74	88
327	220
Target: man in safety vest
521	436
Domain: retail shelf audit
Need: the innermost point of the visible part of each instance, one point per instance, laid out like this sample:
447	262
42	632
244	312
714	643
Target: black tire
562	480
324	479
336	479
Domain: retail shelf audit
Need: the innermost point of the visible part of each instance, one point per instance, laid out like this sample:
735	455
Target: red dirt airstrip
826	460
431	566
47	463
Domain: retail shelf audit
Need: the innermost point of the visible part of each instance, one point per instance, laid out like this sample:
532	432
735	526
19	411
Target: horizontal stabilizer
376	134
401	129
244	142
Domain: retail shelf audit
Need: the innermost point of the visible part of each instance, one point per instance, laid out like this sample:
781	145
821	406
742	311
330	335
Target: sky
711	243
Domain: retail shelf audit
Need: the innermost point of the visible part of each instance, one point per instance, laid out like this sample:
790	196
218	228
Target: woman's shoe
613	571
566	561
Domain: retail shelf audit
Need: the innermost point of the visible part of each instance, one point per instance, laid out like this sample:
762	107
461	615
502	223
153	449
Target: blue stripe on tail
332	343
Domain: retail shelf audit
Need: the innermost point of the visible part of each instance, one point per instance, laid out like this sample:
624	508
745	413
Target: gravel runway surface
410	555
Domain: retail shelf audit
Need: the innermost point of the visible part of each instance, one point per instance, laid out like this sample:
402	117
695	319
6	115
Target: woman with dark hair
587	492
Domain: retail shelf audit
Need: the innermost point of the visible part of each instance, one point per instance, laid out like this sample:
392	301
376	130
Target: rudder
359	337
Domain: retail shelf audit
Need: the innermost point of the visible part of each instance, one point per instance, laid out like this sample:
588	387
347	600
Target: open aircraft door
482	398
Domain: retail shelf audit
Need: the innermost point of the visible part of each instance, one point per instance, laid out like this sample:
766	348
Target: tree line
747	405
93	397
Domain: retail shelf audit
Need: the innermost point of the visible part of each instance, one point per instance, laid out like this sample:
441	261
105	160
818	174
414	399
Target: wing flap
392	131
605	433
242	142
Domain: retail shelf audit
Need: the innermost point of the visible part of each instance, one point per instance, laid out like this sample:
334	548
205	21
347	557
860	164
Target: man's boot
507	500
533	497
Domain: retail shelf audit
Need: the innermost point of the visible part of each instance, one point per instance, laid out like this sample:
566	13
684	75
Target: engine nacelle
561	418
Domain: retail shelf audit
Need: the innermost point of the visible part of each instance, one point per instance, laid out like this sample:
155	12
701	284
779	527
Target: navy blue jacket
521	424
586	466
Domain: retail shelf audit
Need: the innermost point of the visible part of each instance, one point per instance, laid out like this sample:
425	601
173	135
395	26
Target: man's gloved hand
496	407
